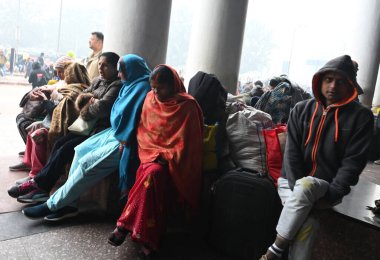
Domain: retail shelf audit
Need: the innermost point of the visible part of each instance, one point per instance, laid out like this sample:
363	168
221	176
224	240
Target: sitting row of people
154	140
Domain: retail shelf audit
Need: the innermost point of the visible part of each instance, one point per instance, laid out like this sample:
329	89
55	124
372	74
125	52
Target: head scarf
210	94
173	130
125	115
76	73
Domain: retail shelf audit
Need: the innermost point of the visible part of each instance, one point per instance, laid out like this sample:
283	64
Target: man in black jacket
327	145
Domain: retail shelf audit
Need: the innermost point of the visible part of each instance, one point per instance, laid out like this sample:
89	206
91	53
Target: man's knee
310	188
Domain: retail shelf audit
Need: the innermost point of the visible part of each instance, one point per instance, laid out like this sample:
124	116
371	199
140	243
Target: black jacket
329	143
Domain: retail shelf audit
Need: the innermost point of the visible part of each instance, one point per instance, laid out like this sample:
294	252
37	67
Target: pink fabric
36	151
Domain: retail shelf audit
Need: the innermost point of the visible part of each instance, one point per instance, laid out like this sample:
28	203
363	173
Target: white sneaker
21	181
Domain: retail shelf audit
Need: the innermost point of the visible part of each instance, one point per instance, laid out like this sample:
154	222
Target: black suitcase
244	214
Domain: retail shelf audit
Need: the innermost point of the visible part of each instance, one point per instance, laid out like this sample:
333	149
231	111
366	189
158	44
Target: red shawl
173	130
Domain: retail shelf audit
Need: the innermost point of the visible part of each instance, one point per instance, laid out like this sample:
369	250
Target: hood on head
342	65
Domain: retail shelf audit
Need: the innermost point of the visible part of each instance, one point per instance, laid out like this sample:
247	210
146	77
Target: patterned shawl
65	112
173	130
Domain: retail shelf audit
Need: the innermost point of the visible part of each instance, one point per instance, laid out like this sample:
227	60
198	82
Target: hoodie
329	143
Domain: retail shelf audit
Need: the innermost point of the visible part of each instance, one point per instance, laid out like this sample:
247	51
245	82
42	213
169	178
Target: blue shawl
125	116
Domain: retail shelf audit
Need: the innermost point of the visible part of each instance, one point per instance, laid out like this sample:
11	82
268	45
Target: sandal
117	237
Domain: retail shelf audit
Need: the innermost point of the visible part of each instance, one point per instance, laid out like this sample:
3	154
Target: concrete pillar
376	96
138	26
217	39
364	44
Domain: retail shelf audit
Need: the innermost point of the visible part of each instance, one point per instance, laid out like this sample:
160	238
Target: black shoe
20	167
117	237
37	212
19	190
65	212
22	153
36	195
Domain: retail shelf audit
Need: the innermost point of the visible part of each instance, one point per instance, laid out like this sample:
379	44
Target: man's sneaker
21	154
65	212
36	195
377	162
25	188
23	180
20	167
37	212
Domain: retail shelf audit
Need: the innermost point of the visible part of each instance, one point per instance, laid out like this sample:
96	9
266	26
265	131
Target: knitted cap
62	61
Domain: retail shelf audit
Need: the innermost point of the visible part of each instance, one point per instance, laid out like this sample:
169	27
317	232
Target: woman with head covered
95	104
99	156
170	140
61	113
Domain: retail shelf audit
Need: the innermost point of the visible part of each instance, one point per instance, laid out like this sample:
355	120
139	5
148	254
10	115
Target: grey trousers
296	223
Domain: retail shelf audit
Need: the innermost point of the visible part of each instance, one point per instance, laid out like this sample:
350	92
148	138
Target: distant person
20	63
3	62
37	76
326	150
256	93
41	60
28	67
50	71
273	82
96	45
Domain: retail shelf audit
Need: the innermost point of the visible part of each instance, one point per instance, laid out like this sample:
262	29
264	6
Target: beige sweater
92	65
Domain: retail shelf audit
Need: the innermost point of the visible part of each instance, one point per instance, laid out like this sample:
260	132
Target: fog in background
295	37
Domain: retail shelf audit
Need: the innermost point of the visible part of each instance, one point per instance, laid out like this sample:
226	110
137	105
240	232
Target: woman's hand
41	95
93	100
37	95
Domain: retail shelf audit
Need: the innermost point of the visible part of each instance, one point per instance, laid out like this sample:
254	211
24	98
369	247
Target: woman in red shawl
170	140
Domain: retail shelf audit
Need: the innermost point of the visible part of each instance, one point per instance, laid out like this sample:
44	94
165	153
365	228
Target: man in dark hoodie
326	150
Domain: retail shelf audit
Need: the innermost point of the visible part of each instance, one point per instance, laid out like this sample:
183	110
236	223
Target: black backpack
41	79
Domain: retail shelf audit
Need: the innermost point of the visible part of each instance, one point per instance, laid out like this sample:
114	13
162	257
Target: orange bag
275	144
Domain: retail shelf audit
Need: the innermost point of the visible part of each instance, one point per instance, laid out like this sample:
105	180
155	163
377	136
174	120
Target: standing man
96	45
41	60
326	150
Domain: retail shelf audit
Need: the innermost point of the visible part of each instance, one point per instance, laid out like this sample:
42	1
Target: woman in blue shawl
99	155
